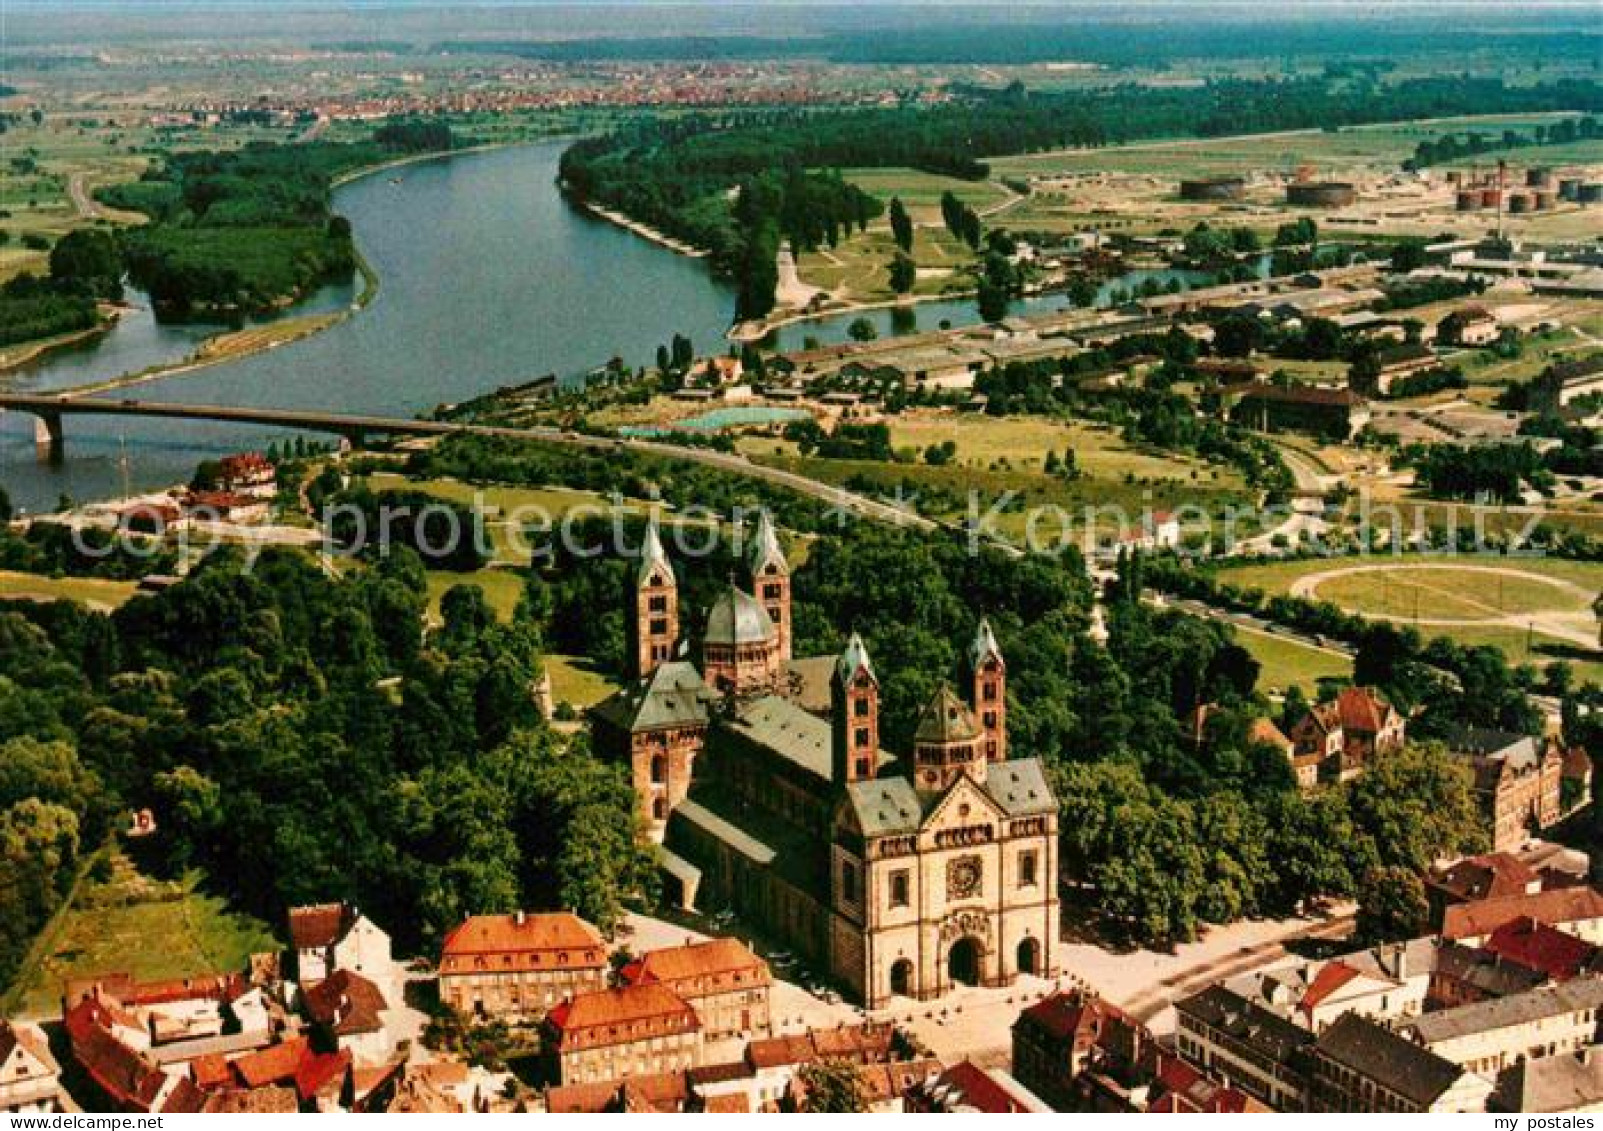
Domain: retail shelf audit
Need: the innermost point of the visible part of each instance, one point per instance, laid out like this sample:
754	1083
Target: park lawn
1063	509
92	591
1022	443
858	268
920	192
130	923
1537	351
1289	663
502	589
576	681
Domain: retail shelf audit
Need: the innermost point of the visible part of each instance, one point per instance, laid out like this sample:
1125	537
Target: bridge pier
49	440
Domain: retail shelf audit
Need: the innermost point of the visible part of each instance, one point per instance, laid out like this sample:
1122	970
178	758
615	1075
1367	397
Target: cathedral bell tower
989	673
656	619
854	712
770	582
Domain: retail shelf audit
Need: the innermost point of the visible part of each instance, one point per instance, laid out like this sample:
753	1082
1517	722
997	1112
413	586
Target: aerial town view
889	556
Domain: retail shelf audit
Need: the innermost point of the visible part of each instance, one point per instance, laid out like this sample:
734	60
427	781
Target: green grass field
94	592
921	192
1379	145
1527	618
1288	663
575	680
131	923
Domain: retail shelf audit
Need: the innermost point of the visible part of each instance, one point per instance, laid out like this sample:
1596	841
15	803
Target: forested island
246	231
677	174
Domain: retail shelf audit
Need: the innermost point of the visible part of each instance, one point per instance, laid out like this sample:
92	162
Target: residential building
1547	950
1565	382
248	473
967	1088
1575	910
520	966
1569	1083
351	1009
1359	1065
1468	326
1256	1049
1394	364
900	876
1334	741
1490	1036
1517	782
629	1031
1179	1088
336	936
1338	414
30	1078
724	982
1060	1038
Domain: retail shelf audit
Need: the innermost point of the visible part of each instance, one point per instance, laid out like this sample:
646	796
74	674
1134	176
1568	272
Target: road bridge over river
52	411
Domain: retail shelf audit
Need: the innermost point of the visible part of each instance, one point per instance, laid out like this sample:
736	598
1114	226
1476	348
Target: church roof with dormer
672	696
945	720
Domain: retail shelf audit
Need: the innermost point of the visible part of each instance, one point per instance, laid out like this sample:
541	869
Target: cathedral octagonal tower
947	744
740	650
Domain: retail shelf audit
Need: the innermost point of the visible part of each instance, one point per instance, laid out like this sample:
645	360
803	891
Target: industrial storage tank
1321	194
1518	202
1468	200
1213	188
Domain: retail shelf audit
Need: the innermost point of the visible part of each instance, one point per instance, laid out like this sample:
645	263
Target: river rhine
488	277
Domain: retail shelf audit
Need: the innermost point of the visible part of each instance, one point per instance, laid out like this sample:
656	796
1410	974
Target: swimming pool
716	420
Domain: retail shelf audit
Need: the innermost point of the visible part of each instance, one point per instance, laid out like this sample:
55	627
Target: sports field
1535	610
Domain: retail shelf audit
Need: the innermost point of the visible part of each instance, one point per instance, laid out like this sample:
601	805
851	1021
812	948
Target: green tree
904	273
901	225
833	1086
1391	906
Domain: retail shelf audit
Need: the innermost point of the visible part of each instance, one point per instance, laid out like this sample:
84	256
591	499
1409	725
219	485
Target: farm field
129	922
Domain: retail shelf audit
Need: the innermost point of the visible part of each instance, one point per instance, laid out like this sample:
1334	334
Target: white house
336	936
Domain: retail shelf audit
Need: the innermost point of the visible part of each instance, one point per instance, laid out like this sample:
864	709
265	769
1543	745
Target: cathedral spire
770	581
854	710
655	627
653	557
989	673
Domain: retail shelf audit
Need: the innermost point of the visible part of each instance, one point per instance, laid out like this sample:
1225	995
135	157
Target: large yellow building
765	779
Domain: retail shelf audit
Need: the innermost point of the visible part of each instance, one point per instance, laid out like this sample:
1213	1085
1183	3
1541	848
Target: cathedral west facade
763	778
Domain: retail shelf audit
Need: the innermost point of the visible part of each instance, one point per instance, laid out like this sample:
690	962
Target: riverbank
756	331
644	231
25	353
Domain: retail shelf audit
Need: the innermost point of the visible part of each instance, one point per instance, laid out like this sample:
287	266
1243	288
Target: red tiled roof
658	1091
128	1079
733	1104
211	1070
346	1002
184	1098
1181	1088
1537	946
714	966
317	1071
257	1101
621	1016
977	1090
275	1064
1361	709
1561	905
1074	1015
320	925
1331	978
560	940
1493	876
